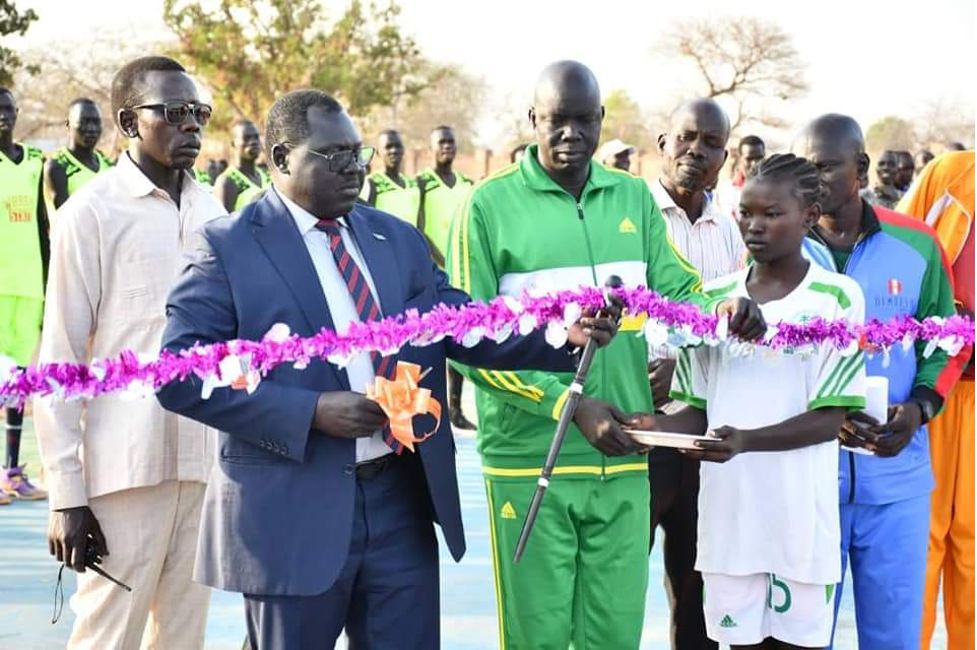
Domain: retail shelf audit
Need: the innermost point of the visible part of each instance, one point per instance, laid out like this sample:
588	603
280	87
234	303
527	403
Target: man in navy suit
311	511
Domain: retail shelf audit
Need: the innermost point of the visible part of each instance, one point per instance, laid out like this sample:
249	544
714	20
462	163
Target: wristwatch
926	409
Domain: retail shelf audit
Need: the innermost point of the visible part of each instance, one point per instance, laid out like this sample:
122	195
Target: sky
865	58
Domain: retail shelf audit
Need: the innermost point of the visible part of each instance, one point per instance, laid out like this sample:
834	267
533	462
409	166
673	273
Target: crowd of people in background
795	487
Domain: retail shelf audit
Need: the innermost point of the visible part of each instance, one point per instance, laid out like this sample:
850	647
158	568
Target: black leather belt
373	468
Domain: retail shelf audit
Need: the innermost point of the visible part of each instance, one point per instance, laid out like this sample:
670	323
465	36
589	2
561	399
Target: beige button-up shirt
116	249
713	244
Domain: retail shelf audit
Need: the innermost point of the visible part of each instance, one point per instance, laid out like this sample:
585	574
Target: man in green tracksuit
557	220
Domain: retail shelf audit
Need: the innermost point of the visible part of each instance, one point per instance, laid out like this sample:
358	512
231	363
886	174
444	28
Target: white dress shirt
117	247
341	305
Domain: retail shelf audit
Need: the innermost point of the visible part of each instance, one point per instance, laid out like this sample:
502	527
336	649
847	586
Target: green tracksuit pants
584	574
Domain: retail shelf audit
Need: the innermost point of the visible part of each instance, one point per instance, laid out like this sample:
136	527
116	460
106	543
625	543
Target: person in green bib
24	255
244	180
80	161
391	190
559	220
443	190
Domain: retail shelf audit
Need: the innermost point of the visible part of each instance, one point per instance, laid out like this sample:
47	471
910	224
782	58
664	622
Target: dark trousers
387	595
15	423
675	507
455	381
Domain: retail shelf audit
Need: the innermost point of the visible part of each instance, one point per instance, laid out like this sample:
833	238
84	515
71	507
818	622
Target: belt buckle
372	468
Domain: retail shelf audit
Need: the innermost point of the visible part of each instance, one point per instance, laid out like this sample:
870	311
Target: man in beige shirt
693	151
125	475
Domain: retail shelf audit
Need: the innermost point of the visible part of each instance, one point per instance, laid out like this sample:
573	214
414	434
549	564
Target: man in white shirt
693	151
127	478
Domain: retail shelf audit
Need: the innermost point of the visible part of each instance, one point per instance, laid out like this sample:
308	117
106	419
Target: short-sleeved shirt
774	512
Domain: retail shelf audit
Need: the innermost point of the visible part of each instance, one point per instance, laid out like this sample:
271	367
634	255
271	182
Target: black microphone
566	417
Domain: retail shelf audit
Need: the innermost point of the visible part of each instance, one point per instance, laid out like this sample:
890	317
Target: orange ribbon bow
401	399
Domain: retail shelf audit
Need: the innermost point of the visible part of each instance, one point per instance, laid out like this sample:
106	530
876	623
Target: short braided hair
804	175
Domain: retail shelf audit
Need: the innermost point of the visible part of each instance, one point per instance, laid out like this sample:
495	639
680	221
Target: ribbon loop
401	398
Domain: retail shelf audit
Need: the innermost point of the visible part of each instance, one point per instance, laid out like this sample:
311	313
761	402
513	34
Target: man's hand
904	420
602	330
600	424
745	318
70	531
886	440
660	375
345	414
722	444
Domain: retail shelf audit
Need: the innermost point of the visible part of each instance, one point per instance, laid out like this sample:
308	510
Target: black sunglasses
177	112
340	160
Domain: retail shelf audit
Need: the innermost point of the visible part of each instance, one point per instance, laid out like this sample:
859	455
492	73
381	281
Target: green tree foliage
250	52
13	21
890	133
624	120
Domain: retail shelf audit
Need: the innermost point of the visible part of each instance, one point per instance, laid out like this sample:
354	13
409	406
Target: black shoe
459	421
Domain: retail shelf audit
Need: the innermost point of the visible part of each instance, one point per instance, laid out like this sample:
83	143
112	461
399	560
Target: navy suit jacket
278	510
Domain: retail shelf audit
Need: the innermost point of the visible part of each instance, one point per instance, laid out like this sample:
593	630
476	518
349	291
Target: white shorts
745	610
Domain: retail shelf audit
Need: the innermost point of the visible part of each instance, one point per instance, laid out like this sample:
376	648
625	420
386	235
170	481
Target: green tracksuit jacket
519	229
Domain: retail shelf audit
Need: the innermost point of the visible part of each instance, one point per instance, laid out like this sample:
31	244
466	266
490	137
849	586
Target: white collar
665	202
304	219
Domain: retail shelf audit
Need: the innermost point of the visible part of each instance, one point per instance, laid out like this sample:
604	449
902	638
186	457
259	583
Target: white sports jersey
774	512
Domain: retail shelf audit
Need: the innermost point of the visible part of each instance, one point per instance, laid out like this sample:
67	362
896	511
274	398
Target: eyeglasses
177	112
340	160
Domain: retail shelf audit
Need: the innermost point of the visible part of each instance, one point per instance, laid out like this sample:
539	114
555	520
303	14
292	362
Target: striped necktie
366	306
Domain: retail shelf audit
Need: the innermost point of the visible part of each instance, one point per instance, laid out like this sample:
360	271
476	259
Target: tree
251	51
624	120
13	21
890	133
941	119
455	99
747	60
82	68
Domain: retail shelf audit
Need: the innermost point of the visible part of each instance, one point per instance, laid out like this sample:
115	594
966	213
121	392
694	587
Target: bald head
694	148
702	109
840	130
566	77
566	117
835	144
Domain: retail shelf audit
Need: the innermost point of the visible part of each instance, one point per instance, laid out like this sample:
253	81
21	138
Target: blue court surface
28	575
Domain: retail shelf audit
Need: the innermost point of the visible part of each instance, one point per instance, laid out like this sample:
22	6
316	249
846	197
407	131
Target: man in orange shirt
943	196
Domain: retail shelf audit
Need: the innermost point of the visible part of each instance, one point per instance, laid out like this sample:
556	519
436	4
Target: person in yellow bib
80	161
243	181
24	254
391	190
443	190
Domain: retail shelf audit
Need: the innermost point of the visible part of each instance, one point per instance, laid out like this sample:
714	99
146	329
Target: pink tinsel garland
668	322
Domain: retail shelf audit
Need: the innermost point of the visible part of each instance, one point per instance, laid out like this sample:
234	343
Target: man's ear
661	143
863	162
279	158
532	116
812	216
603	113
128	122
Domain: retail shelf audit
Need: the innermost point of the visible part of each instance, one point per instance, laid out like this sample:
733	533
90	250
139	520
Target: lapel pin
379	236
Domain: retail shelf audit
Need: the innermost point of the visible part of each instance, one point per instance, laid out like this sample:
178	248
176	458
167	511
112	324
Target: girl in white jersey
768	522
